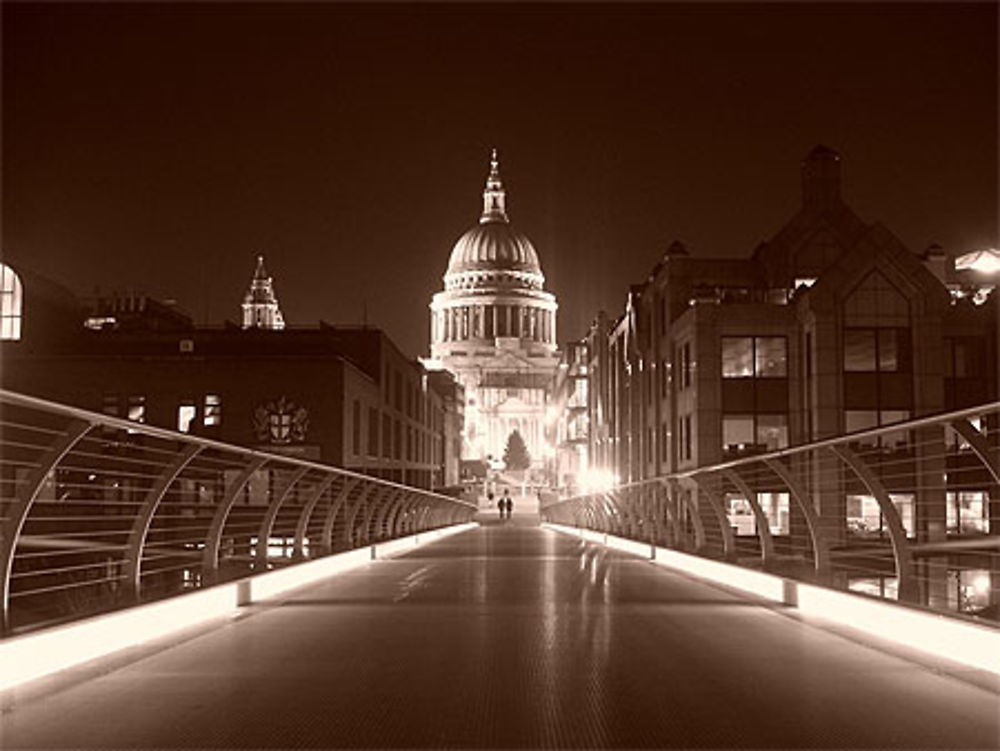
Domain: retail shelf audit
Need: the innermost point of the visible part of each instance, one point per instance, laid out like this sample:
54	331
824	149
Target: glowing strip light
36	655
394	547
939	635
278	582
645	550
25	658
752	582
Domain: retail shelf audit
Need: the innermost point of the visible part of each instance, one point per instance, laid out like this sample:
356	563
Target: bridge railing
907	512
97	513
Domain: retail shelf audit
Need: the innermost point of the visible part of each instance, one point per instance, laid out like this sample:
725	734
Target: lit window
185	416
775	506
737	357
864	517
737	432
754	433
10	304
137	408
213	409
761	356
772	431
770	357
968	512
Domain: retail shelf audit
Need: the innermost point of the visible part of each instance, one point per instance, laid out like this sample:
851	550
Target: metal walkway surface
510	636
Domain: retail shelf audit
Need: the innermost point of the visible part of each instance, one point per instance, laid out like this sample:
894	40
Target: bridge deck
510	636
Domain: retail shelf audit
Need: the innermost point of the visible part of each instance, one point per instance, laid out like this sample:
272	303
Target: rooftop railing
907	512
98	513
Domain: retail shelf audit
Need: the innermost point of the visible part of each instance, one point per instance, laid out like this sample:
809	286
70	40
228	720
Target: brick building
345	396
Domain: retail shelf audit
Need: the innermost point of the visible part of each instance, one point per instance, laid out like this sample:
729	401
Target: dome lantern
494	196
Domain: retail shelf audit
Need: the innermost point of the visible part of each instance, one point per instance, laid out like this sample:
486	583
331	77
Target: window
186	414
398	443
737	357
754	432
356	428
968	512
737	432
742	519
775	506
760	357
687	365
685	442
386	436
859	351
11	302
213	409
862	419
871	350
772	431
864	518
137	408
770	357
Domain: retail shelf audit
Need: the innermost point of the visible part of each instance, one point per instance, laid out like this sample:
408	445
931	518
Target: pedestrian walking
506	503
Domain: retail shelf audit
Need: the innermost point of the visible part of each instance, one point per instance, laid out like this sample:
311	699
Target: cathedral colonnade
463	321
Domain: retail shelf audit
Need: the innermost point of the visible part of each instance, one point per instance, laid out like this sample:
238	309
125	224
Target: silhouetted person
508	504
501	506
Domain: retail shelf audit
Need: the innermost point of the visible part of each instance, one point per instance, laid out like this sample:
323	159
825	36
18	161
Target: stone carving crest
280	421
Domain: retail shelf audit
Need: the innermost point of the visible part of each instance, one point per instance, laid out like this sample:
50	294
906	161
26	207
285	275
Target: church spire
260	305
494	197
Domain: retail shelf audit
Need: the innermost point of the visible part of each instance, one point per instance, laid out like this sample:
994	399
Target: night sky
160	148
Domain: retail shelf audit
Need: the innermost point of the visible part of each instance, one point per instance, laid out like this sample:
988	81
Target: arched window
10	303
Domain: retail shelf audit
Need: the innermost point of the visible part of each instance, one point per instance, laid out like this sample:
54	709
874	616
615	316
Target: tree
515	455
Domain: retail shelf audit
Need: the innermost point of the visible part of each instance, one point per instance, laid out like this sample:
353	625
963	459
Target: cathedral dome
493	245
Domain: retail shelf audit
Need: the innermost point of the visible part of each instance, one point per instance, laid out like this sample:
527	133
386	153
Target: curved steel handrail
98	489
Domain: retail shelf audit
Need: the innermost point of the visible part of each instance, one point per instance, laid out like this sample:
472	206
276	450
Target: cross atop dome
494	197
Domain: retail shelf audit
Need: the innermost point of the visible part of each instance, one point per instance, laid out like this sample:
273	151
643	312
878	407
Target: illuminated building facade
494	327
341	395
829	327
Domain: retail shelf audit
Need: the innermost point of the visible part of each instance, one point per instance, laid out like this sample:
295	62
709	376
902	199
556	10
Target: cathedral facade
494	327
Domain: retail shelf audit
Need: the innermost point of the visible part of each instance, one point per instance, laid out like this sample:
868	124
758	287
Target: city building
567	419
494	327
340	395
829	327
